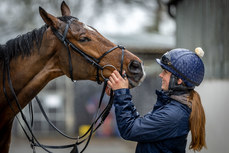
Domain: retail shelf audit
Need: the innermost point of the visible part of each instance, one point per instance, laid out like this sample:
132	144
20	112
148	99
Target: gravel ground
97	145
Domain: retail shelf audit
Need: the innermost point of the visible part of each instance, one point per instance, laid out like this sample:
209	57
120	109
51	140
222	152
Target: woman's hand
117	82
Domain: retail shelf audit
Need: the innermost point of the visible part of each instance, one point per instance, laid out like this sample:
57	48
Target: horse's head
84	50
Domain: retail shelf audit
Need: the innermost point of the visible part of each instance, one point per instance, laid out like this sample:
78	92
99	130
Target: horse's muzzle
136	73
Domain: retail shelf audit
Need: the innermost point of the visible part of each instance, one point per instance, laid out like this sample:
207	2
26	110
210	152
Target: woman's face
165	76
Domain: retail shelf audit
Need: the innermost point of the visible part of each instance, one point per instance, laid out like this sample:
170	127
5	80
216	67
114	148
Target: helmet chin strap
175	87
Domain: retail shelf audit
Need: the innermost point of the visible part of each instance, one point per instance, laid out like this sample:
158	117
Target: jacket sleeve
154	126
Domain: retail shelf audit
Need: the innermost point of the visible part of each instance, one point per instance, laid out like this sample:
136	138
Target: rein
98	116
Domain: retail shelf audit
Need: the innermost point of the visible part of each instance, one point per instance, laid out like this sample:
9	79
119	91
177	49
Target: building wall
205	23
214	96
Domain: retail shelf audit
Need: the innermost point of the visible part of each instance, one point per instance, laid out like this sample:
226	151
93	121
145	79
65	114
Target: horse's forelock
67	18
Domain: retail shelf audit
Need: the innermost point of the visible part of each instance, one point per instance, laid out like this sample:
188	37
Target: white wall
215	99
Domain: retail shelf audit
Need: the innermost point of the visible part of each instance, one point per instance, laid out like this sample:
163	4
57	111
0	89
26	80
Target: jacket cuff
123	91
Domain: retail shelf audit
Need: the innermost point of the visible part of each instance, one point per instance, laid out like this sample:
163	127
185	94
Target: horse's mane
22	44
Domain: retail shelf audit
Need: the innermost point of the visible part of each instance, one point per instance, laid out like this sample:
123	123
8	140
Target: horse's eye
84	39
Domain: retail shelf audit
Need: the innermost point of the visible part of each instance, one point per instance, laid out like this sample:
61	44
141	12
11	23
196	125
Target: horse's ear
48	18
65	9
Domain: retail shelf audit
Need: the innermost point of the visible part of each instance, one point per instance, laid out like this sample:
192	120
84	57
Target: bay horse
37	57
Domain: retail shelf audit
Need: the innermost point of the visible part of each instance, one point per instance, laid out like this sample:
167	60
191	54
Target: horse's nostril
135	67
135	64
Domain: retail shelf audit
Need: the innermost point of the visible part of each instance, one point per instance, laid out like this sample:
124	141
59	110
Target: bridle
92	60
99	116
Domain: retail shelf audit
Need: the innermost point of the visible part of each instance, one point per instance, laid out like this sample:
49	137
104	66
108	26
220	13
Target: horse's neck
5	135
29	75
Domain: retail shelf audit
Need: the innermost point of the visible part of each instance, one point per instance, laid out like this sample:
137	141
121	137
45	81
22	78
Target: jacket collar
180	96
163	96
183	99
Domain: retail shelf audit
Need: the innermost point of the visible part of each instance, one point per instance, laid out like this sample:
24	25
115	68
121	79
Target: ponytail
197	122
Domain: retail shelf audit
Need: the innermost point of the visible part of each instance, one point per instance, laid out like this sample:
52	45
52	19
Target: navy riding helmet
184	64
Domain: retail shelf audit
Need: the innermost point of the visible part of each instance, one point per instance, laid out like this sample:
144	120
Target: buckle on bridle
121	47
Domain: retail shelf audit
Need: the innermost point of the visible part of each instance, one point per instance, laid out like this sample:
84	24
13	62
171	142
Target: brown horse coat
39	56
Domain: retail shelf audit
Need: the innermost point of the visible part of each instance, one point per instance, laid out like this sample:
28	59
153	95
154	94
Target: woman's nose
160	75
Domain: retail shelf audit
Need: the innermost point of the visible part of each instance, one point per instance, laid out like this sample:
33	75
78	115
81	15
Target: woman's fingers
115	75
117	82
111	79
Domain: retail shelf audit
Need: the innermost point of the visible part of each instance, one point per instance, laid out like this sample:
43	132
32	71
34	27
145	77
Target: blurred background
148	28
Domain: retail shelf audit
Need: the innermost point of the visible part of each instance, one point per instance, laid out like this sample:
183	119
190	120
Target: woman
178	108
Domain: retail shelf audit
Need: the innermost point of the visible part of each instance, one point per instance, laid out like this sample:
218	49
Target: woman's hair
197	122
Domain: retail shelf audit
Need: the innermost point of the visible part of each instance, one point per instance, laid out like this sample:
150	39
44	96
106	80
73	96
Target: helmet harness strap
174	86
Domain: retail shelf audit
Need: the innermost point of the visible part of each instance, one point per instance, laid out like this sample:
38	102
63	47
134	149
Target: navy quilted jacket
164	130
